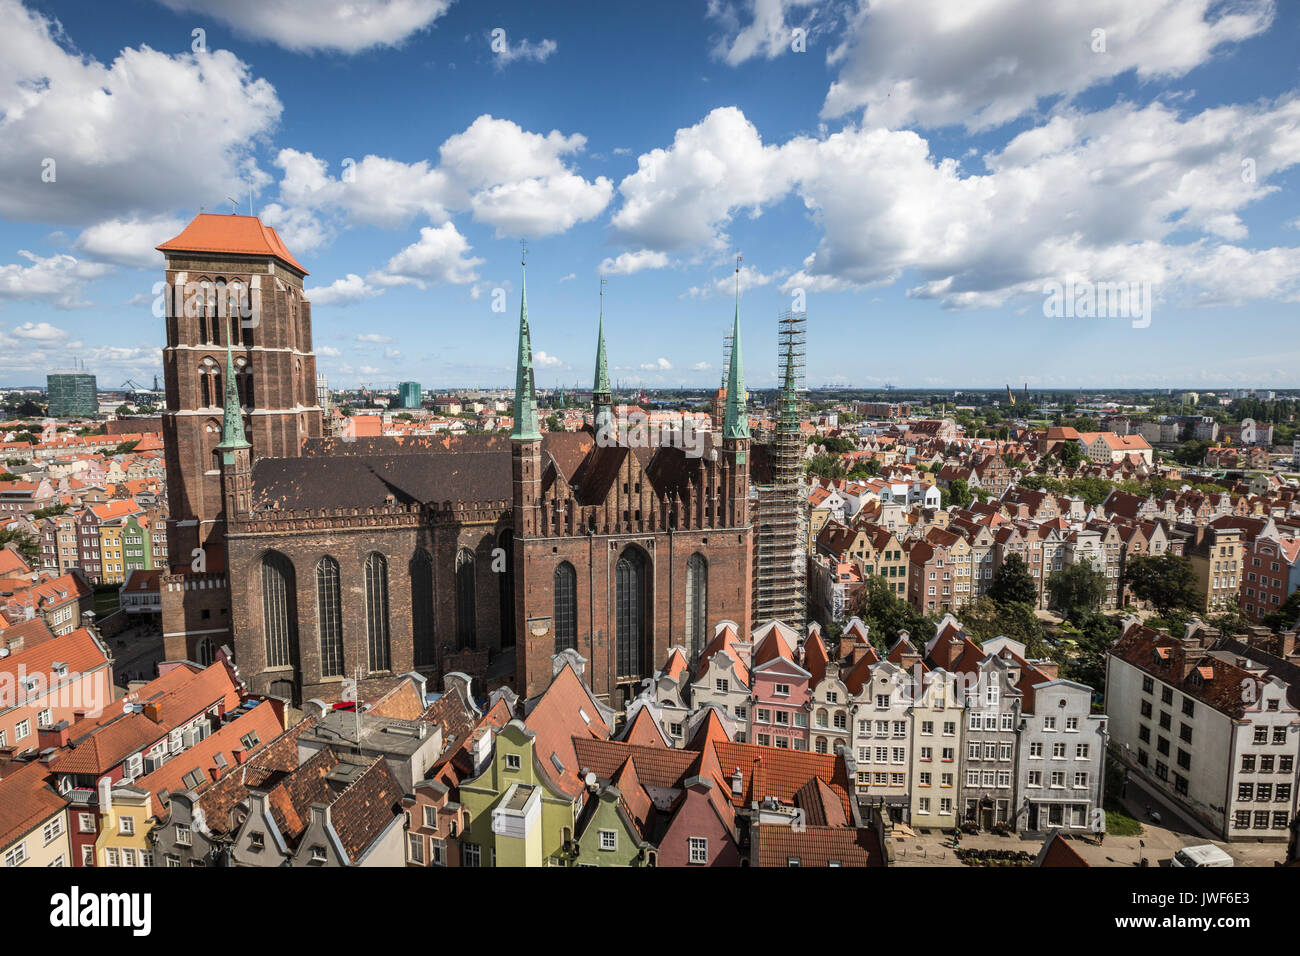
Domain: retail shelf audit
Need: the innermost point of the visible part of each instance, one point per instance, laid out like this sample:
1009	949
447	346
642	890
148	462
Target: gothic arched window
697	604
422	607
377	611
279	610
329	617
566	607
630	603
466	631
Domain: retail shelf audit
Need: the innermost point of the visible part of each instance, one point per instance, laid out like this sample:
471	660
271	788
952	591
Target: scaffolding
780	502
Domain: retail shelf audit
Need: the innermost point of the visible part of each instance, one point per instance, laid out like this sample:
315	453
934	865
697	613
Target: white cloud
128	242
374	338
346	291
701	366
344	26
767	34
328	351
438	256
983	64
658	365
506	53
750	278
682	196
1124	193
139	137
39	332
59	279
301	229
543	360
629	262
506	176
569	277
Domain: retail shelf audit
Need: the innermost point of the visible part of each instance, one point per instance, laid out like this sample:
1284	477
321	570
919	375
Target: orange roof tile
237	235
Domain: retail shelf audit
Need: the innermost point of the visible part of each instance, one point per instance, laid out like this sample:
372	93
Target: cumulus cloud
128	242
658	365
138	137
59	279
343	26
507	177
440	255
1110	195
39	332
544	360
984	64
629	262
750	278
346	291
373	338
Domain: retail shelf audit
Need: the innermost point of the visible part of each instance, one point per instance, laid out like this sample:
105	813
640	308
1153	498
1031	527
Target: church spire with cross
601	400
232	421
525	407
736	422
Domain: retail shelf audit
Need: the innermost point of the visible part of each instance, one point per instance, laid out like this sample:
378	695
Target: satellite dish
128	708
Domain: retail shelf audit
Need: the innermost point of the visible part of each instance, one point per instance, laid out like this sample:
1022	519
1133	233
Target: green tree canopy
1167	581
1012	583
1077	590
885	613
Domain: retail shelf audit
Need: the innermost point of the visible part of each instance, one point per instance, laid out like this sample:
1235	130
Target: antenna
235	204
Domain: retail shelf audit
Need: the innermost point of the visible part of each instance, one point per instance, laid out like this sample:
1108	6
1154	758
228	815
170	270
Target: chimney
908	660
1288	643
860	651
846	647
153	710
56	736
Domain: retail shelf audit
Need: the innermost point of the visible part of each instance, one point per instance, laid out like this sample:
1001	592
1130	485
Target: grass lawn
1118	821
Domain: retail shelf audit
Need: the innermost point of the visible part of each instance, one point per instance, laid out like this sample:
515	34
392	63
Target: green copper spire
232	422
736	421
525	391
601	386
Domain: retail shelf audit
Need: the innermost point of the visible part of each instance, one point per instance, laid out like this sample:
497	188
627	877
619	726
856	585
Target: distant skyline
919	206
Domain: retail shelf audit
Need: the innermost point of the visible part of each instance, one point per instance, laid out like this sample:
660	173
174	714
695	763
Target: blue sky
919	171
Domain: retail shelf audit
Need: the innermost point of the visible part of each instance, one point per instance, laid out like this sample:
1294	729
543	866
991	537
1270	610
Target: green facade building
71	395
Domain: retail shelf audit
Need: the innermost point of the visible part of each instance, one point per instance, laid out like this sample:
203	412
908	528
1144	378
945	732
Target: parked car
1205	855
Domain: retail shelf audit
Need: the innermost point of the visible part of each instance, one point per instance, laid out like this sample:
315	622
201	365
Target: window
630	604
721	685
697	604
513	762
184	835
466	615
416	843
22	729
279	610
257	842
471	854
608	840
86	822
126	826
53	830
699	849
317	855
329	617
782	690
377	612
1080	751
565	583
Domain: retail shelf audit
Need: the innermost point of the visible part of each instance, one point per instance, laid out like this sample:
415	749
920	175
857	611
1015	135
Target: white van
1206	855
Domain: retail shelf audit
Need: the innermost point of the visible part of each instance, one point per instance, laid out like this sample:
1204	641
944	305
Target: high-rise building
71	394
410	395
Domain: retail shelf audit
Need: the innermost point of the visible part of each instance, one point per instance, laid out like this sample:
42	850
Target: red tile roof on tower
237	235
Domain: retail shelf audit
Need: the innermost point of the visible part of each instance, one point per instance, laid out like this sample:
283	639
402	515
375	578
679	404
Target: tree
1285	617
1077	589
1087	665
125	448
985	619
1071	454
1191	453
826	466
49	512
1012	583
553	423
26	544
1166	581
865	469
959	493
885	613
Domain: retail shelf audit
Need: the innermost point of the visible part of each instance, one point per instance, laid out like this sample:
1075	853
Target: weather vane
523	252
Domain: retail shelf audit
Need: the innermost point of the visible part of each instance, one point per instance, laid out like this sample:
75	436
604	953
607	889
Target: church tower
237	321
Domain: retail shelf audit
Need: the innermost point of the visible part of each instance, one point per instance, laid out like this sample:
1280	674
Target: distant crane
1011	397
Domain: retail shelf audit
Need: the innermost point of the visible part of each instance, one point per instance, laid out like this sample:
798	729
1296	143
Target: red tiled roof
25	799
238	235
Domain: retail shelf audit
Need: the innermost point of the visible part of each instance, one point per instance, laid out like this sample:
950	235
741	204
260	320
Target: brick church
316	559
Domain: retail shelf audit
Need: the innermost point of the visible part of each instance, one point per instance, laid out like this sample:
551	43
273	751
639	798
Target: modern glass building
71	394
410	395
